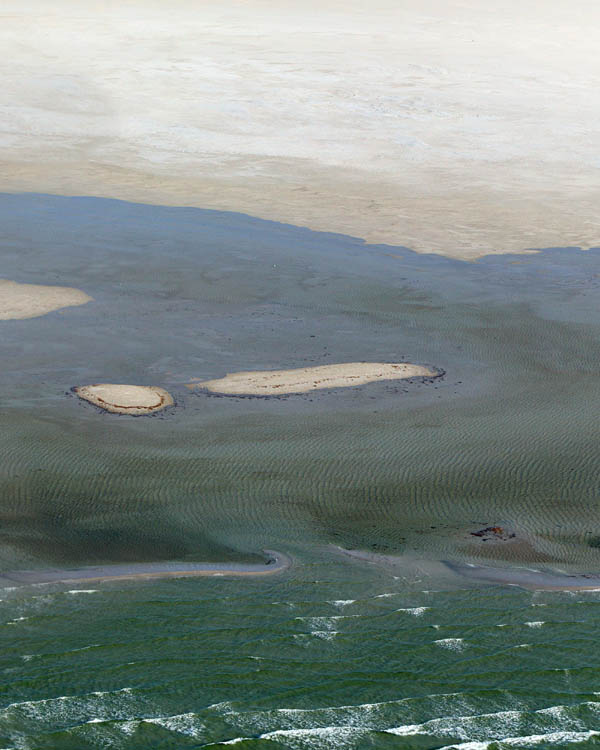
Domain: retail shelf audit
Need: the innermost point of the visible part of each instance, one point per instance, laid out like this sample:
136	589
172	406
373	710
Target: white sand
19	301
304	379
126	399
454	126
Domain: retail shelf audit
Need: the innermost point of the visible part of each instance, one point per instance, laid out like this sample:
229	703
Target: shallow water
337	652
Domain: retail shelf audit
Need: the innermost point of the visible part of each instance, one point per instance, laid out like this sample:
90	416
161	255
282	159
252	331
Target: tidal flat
507	438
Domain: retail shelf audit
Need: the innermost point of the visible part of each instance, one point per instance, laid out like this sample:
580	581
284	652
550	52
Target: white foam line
43	701
456	724
415	611
526	741
454	644
226	705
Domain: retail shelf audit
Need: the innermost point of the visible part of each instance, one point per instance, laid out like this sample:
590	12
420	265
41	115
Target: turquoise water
335	653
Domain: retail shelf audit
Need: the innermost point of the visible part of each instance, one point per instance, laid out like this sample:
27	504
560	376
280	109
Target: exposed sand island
304	379
126	399
455	126
20	301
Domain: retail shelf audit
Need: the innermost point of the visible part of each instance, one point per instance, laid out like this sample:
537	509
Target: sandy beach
135	400
21	301
305	379
452	127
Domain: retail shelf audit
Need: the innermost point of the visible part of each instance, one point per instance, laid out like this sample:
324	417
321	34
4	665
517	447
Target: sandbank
125	399
21	301
275	562
527	578
451	126
305	379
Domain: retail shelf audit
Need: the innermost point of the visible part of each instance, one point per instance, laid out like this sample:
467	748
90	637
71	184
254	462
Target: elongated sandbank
526	578
125	399
304	379
275	562
20	301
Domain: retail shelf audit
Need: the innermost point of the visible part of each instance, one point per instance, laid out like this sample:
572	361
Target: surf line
275	562
527	578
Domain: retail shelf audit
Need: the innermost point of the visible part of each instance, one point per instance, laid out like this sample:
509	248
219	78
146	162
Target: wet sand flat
459	128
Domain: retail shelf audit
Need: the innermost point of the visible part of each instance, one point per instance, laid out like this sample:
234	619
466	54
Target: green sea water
336	652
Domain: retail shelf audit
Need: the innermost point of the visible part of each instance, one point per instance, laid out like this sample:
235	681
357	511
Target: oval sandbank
20	301
125	399
304	379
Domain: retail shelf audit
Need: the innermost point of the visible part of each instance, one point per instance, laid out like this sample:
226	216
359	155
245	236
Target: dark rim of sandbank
159	412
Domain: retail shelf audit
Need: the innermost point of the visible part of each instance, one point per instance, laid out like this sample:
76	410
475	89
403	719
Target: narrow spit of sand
21	301
126	399
275	562
305	379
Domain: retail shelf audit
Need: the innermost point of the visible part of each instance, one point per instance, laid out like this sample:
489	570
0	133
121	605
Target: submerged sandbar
275	562
305	379
527	578
120	398
21	301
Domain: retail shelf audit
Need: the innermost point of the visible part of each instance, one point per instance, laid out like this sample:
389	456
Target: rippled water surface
336	652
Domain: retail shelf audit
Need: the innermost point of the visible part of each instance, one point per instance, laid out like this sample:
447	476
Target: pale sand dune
454	126
304	379
126	399
20	301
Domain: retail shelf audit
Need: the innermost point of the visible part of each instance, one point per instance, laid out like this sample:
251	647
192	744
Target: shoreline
276	562
526	578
